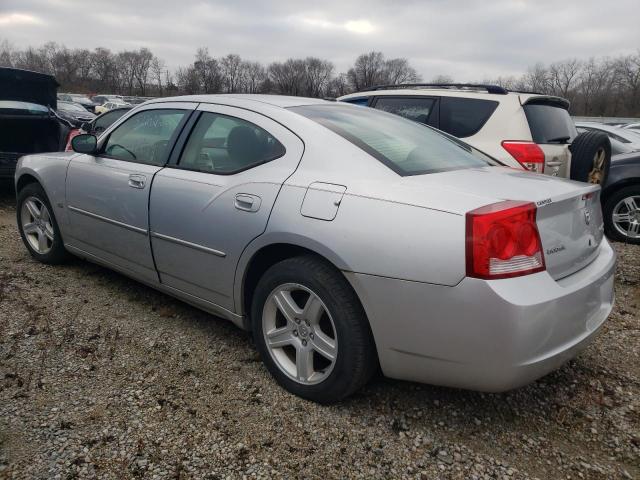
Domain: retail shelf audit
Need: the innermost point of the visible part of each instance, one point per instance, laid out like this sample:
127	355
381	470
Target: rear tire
622	215
591	158
341	330
38	226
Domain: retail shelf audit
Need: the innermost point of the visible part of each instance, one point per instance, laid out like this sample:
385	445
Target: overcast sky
466	39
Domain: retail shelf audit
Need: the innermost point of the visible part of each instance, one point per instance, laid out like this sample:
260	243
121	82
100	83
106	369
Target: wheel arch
266	251
610	190
25	179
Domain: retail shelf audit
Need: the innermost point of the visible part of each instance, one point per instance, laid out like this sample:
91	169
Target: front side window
463	117
144	137
105	120
416	109
406	147
223	145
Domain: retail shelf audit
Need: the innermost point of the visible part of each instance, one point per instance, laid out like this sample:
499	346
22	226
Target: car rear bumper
486	335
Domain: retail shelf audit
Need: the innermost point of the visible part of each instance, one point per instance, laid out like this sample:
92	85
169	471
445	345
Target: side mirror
84	143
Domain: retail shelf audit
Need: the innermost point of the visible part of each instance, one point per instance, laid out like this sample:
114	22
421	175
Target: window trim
434	114
170	143
181	144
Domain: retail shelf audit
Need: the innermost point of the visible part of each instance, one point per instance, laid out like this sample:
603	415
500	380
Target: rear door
108	193
553	130
216	196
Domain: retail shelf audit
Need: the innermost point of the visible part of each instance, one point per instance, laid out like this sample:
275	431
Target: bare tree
537	78
207	71
231	73
7	53
318	74
253	77
367	71
398	70
442	79
157	69
563	76
287	77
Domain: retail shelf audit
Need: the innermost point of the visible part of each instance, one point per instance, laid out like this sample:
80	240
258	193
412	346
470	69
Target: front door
107	193
217	197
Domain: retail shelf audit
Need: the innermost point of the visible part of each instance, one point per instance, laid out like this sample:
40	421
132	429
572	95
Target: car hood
27	86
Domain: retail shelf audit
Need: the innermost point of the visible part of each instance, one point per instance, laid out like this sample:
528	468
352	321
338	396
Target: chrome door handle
554	164
136	181
247	202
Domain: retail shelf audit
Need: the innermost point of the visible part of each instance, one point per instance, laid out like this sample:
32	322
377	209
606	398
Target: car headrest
244	146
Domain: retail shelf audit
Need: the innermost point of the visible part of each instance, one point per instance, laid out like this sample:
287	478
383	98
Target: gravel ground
101	377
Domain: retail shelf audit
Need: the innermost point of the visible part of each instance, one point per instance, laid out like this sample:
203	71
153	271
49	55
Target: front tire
311	330
38	226
622	215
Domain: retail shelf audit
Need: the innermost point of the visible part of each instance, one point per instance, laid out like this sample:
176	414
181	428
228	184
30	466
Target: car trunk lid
569	217
27	86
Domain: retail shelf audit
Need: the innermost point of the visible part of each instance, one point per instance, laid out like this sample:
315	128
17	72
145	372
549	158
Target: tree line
596	87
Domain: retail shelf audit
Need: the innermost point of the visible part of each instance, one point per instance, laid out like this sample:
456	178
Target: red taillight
503	241
528	154
72	133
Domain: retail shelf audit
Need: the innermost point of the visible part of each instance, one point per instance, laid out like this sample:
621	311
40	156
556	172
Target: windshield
406	147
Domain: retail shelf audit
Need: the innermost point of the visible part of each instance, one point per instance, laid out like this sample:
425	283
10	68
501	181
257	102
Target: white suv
522	130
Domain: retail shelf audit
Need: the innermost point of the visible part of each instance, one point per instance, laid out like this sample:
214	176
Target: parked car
100	123
102	99
627	136
28	121
75	113
621	198
105	107
343	238
78	98
520	129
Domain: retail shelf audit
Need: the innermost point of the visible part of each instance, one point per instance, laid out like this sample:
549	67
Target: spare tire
590	158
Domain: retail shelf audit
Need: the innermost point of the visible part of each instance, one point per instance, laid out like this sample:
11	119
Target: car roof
239	99
479	93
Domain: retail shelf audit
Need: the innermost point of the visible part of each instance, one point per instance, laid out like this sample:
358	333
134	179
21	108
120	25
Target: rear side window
463	117
406	147
549	123
416	109
224	145
362	101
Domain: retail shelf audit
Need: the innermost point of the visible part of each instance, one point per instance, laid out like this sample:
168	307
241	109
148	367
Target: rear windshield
549	123
406	147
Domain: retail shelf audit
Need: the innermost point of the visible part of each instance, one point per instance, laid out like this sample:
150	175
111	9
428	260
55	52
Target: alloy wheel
299	333
37	225
626	216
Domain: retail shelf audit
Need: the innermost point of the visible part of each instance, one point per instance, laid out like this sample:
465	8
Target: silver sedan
345	239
